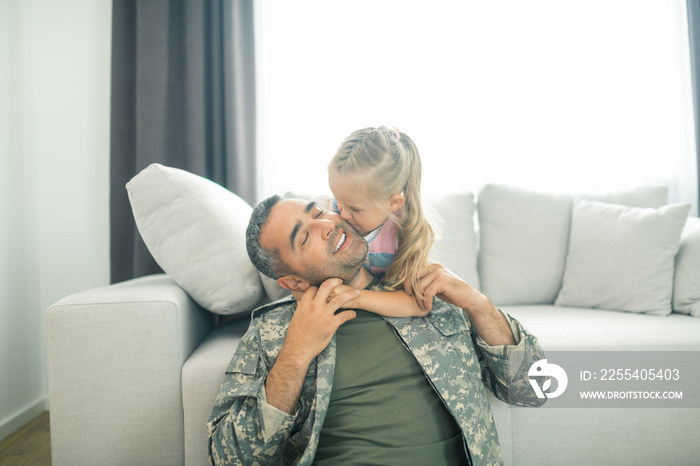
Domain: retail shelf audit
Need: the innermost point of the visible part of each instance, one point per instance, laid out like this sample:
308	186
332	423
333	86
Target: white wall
54	180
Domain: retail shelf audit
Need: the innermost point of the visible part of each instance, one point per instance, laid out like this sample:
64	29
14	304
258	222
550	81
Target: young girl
375	178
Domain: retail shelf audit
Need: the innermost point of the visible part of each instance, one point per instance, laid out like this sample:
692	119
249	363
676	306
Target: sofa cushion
524	238
195	230
202	377
456	246
584	329
686	285
604	436
622	258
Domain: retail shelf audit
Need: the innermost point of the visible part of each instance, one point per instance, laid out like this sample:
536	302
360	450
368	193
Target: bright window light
547	94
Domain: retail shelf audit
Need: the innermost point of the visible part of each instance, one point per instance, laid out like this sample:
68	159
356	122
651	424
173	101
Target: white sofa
134	368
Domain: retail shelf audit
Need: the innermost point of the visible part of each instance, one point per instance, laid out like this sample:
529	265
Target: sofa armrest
115	356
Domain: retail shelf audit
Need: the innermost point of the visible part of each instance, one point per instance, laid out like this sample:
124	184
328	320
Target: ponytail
392	164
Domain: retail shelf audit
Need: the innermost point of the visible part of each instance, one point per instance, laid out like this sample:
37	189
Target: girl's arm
386	303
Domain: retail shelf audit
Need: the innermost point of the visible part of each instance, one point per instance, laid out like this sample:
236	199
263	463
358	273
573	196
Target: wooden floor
29	446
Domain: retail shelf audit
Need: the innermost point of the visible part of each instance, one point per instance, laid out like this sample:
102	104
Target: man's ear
395	202
293	283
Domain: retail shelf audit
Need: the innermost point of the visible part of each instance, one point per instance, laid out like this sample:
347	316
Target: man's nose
325	226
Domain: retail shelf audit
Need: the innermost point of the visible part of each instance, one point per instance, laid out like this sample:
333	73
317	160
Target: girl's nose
344	213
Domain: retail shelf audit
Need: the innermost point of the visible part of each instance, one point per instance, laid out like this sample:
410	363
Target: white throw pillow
686	284
524	237
622	258
195	230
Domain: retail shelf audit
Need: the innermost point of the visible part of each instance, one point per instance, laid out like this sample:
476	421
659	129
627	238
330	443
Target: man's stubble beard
346	268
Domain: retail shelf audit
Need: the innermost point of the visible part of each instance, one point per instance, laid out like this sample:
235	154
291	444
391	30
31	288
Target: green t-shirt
383	410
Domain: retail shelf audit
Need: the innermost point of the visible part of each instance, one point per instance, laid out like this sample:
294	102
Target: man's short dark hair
267	262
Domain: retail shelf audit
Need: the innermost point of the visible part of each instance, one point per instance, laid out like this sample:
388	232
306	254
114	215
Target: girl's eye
352	209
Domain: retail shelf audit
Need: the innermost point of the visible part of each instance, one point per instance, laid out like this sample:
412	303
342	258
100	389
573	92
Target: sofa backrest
514	248
524	238
456	245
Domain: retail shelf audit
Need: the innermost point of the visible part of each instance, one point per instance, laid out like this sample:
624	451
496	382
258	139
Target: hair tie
397	134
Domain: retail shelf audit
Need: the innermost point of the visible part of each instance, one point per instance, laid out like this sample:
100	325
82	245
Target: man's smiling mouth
340	243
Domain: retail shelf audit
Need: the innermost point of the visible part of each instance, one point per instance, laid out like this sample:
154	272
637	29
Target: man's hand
297	295
315	322
312	326
353	302
438	281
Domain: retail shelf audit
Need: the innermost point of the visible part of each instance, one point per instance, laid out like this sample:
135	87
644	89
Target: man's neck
361	280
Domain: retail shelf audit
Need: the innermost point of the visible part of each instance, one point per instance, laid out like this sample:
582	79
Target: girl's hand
437	280
340	289
418	294
408	282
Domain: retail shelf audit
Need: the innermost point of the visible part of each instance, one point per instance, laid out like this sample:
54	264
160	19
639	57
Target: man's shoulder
447	318
276	313
269	324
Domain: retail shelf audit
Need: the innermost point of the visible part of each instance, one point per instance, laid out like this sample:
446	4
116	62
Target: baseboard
15	421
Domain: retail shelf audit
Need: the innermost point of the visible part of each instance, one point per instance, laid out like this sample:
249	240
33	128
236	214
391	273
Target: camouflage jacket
244	429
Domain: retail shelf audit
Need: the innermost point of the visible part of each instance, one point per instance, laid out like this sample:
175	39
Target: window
576	95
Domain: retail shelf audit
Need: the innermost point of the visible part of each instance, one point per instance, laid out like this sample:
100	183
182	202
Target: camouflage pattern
244	429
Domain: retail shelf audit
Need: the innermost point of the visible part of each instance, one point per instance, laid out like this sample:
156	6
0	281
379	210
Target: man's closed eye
316	215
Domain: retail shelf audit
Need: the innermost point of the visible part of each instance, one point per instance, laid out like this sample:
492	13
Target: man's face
316	243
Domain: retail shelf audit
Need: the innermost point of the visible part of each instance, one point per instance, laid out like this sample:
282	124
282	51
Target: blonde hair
390	164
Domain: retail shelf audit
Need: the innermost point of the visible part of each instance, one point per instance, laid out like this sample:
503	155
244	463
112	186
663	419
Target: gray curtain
694	33
183	94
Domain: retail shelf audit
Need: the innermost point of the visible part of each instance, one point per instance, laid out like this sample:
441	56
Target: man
309	384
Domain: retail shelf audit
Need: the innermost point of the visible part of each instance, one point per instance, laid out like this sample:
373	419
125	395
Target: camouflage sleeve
505	368
243	428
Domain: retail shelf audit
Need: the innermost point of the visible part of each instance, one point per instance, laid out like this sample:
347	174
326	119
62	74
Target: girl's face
355	207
